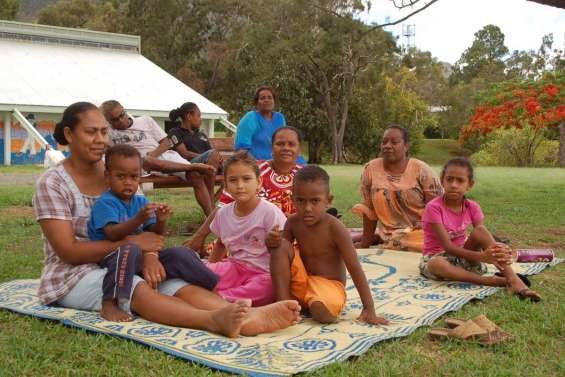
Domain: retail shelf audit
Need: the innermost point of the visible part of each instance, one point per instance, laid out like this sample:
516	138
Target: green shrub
517	147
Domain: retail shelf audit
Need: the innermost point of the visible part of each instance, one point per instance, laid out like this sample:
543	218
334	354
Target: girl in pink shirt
448	253
241	228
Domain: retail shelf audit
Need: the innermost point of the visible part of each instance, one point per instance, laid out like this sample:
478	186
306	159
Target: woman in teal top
255	130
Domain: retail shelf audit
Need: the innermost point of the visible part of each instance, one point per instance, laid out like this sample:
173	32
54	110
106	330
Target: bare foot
228	320
111	312
273	317
320	313
517	286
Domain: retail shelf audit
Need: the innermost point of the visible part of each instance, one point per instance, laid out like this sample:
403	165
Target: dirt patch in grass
560	231
183	229
17	211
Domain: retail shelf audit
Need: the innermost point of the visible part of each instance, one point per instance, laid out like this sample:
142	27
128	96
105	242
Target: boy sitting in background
119	213
314	271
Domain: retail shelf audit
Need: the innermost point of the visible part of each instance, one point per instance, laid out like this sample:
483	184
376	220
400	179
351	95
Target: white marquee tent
45	68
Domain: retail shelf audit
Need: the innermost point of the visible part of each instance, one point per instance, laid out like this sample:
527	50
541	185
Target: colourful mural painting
24	149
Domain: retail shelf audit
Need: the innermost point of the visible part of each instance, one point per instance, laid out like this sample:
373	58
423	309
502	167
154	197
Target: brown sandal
494	333
468	330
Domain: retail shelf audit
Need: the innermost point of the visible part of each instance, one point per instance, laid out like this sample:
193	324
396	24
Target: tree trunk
562	144
314	152
337	149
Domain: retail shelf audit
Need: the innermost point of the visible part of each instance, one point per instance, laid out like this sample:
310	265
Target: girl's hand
147	241
501	253
273	239
369	316
497	255
153	270
197	245
163	212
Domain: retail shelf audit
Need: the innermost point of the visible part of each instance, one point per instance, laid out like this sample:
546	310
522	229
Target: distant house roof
46	68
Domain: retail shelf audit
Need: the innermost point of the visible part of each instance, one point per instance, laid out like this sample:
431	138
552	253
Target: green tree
68	13
9	9
313	51
484	57
386	100
480	66
430	78
533	64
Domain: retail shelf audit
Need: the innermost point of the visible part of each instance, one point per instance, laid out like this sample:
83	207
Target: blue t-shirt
255	133
109	209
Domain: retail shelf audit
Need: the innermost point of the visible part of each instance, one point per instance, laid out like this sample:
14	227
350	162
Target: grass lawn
438	151
526	205
16	169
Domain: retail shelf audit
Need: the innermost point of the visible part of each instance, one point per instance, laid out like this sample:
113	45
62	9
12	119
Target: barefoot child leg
123	264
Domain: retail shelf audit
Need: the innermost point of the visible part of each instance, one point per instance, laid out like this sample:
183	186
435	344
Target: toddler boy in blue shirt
119	213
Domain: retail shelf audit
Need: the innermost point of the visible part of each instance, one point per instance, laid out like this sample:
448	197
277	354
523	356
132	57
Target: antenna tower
408	36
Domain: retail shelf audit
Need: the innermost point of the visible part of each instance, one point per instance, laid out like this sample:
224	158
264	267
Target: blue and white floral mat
403	296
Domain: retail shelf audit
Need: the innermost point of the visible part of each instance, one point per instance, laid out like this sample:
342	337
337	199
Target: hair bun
174	114
59	134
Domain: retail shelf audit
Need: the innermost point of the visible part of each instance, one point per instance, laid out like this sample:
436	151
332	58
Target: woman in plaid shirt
71	276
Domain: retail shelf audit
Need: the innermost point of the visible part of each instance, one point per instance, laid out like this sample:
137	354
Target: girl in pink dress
241	227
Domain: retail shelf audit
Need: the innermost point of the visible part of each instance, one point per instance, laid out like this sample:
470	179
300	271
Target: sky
447	27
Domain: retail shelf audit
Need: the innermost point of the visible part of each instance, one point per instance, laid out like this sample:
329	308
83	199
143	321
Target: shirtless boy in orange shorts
314	271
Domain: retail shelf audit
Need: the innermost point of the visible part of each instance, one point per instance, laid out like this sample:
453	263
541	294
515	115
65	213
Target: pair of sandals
479	329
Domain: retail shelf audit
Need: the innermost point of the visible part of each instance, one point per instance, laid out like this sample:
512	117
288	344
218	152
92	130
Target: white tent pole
29	128
7	139
209	127
228	124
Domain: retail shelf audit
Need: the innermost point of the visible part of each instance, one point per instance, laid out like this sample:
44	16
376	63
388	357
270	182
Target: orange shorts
309	288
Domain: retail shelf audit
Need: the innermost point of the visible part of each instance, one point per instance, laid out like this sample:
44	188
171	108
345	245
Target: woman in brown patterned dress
395	189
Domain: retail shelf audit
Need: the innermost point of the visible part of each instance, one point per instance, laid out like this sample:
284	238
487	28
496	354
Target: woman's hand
153	270
147	241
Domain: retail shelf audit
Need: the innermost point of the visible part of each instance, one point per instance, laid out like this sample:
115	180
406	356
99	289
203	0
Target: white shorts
87	293
172	156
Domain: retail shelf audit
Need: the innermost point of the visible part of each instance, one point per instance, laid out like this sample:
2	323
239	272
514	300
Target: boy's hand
273	239
153	270
163	212
146	213
369	316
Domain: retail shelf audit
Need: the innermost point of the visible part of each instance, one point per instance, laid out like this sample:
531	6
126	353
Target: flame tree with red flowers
538	104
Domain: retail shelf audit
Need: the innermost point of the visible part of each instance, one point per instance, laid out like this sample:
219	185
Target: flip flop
522	277
468	330
334	212
495	333
528	294
504	240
